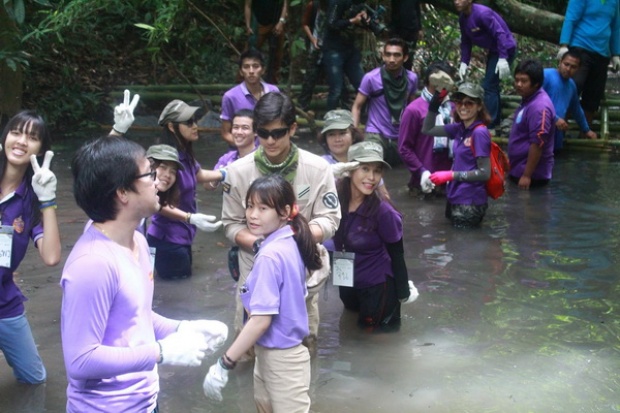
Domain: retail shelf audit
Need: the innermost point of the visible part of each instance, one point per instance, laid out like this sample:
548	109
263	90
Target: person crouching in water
371	229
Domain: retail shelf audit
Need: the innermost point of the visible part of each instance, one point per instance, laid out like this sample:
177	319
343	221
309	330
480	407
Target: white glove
216	379
123	113
441	80
215	332
413	294
615	63
183	349
462	70
342	169
562	51
43	181
205	222
502	68
426	184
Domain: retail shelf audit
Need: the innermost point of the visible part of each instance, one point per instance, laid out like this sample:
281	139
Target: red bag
496	185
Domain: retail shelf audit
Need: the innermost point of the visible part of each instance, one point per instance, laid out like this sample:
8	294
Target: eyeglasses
466	103
152	174
189	122
274	133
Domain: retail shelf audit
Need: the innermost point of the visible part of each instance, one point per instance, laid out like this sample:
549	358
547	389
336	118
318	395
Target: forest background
64	58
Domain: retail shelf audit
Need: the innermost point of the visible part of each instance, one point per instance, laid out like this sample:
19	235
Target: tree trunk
10	80
521	18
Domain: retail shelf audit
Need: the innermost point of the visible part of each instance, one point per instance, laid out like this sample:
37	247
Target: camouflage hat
164	153
338	119
471	89
177	111
366	152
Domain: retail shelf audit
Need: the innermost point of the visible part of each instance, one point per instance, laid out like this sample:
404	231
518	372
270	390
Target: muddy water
519	316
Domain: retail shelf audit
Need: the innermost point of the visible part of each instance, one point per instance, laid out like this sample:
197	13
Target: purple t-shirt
16	211
277	286
230	157
486	29
239	97
366	234
533	124
173	230
468	193
416	149
108	327
379	118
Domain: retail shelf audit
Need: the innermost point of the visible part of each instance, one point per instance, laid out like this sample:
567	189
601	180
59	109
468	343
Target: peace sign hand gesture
43	181
123	113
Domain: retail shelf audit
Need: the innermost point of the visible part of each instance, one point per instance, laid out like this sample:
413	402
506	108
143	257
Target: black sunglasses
274	133
189	122
152	174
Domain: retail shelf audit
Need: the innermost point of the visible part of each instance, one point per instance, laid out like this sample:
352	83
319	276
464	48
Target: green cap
366	152
177	111
471	89
164	153
338	119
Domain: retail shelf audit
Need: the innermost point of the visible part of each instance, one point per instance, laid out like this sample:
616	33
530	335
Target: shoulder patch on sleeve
226	187
330	200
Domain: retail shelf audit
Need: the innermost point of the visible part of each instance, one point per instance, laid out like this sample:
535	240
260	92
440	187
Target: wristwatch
256	245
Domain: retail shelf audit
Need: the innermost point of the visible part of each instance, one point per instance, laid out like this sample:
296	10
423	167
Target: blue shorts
20	351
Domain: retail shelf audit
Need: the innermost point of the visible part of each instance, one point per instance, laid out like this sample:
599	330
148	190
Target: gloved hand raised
437	100
413	294
123	113
205	222
425	182
441	177
502	68
441	80
43	181
215	332
463	70
342	169
183	349
215	381
561	51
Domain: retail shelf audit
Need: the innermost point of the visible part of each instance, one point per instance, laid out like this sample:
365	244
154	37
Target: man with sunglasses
531	139
245	94
388	90
309	174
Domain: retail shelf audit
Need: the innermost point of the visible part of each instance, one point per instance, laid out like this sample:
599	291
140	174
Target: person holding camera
388	90
340	53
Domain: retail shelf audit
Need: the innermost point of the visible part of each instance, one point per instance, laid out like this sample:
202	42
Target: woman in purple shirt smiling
173	228
466	192
274	301
372	230
28	211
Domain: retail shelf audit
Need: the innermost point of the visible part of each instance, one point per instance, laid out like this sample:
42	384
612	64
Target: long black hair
277	193
27	121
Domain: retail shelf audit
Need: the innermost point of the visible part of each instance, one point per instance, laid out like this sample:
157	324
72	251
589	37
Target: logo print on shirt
330	200
519	116
18	225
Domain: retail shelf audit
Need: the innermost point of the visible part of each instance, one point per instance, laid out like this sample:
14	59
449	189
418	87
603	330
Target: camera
373	21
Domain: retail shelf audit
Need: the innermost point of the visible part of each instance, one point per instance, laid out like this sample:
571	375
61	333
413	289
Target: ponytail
305	242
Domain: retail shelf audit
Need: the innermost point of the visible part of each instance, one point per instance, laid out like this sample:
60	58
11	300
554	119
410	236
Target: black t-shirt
267	12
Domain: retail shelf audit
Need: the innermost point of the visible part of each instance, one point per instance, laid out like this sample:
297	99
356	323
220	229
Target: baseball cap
471	89
164	153
177	111
366	152
337	119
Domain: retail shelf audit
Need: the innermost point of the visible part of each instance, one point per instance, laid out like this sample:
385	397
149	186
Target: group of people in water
294	217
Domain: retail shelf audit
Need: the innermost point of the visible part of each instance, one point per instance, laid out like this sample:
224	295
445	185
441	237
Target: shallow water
518	316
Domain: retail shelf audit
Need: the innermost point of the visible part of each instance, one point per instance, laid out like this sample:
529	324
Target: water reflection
517	316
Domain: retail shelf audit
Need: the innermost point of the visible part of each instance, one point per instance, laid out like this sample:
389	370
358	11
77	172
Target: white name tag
342	268
6	245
